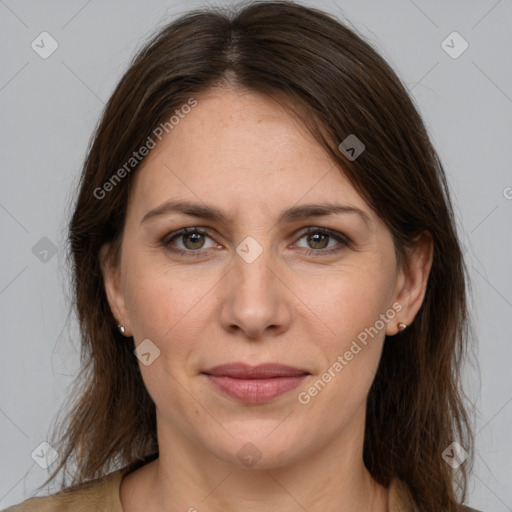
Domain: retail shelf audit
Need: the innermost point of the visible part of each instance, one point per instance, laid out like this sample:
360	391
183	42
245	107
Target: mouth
255	384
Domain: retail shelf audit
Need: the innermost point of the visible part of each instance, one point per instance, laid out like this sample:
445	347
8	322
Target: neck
188	478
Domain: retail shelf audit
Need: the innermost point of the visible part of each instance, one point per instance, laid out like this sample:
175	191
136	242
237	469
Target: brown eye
188	240
318	240
323	241
193	240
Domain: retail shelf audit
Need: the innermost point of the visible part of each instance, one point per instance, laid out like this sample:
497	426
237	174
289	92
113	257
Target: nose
255	300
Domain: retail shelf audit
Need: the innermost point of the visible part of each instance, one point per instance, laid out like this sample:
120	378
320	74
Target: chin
262	445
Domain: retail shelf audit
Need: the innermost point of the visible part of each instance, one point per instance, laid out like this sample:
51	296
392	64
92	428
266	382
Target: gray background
50	108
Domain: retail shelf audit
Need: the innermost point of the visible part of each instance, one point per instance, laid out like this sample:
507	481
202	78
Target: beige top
102	495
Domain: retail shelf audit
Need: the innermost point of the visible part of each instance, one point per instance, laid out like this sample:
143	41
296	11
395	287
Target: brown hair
339	85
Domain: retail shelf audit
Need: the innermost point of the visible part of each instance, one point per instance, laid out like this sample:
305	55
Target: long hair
339	85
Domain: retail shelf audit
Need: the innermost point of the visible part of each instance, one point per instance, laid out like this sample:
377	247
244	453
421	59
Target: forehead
240	149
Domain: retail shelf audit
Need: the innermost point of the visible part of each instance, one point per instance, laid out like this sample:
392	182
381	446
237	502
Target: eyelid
185	231
319	229
342	239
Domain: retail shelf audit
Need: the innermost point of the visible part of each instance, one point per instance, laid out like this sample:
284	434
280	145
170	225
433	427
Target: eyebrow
295	213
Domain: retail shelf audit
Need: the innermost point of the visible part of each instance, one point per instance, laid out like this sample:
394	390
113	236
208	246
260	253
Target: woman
269	282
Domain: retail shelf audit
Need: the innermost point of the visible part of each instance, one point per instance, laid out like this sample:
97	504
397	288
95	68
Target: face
273	277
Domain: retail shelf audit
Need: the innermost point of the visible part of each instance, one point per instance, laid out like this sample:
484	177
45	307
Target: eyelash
343	240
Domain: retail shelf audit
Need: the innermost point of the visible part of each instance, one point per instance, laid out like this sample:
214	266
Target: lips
254	384
261	371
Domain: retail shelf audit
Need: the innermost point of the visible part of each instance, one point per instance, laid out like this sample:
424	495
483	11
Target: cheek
166	304
351	351
168	307
349	306
348	301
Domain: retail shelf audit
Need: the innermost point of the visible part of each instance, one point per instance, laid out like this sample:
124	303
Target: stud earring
121	328
401	326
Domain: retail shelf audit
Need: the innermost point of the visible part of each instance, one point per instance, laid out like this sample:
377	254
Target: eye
191	240
318	240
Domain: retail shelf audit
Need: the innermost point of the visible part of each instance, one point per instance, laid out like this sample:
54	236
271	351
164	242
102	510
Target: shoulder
101	495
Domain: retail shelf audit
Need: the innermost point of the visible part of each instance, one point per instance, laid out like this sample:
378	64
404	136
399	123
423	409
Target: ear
411	284
111	281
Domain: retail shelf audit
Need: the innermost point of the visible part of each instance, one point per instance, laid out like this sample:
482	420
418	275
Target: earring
121	328
401	326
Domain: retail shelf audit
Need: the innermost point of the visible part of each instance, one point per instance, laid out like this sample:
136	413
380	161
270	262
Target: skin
244	154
